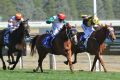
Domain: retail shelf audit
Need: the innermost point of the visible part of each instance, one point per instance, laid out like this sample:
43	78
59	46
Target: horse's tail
32	45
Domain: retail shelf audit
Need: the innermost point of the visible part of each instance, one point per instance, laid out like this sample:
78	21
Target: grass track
57	75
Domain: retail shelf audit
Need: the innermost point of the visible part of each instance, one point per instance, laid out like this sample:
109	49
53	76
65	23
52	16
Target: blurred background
42	9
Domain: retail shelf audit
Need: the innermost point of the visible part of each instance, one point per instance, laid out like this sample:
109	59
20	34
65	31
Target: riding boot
51	40
6	38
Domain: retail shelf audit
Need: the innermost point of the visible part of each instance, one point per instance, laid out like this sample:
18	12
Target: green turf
57	75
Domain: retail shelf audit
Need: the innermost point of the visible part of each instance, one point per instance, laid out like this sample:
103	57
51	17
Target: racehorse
61	45
95	44
16	42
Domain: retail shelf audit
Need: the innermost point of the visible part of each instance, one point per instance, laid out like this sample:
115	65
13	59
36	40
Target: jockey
13	24
88	23
14	21
57	22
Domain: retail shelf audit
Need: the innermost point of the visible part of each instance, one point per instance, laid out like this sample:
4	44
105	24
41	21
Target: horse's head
111	32
25	27
71	31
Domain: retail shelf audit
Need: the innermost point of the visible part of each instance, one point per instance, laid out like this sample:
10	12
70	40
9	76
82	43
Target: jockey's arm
50	20
22	19
11	25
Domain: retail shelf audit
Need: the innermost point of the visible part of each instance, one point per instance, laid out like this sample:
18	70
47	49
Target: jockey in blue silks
13	24
87	25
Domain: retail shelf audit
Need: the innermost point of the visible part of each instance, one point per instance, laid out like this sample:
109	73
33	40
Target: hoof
73	62
4	67
66	62
34	70
10	67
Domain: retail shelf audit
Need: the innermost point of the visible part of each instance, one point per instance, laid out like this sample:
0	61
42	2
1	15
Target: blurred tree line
42	9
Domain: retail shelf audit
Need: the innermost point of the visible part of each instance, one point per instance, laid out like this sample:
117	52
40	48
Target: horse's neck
62	35
18	33
100	35
59	40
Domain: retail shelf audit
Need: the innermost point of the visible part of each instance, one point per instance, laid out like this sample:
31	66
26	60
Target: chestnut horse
95	44
61	45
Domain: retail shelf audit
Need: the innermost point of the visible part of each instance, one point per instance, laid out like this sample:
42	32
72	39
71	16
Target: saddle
82	41
47	41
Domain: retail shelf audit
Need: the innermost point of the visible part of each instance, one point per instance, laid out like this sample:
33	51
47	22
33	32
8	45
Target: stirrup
6	47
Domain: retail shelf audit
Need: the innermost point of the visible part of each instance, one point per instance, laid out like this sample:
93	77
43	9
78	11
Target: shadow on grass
37	72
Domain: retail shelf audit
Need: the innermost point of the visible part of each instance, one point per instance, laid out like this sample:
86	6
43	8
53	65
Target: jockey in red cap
57	22
13	24
14	21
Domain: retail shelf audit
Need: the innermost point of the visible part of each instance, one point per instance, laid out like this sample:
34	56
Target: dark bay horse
16	42
95	44
61	45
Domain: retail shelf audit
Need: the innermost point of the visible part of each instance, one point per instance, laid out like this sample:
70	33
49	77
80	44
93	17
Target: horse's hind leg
35	70
1	56
40	60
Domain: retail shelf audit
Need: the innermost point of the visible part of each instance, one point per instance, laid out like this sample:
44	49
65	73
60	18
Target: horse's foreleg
10	56
102	63
67	47
9	60
1	56
94	62
17	59
69	57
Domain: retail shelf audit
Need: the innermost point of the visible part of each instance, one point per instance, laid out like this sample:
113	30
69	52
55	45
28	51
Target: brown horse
16	42
61	45
95	44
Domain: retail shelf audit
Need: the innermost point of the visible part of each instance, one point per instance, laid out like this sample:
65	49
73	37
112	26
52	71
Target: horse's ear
68	25
27	20
106	25
102	25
